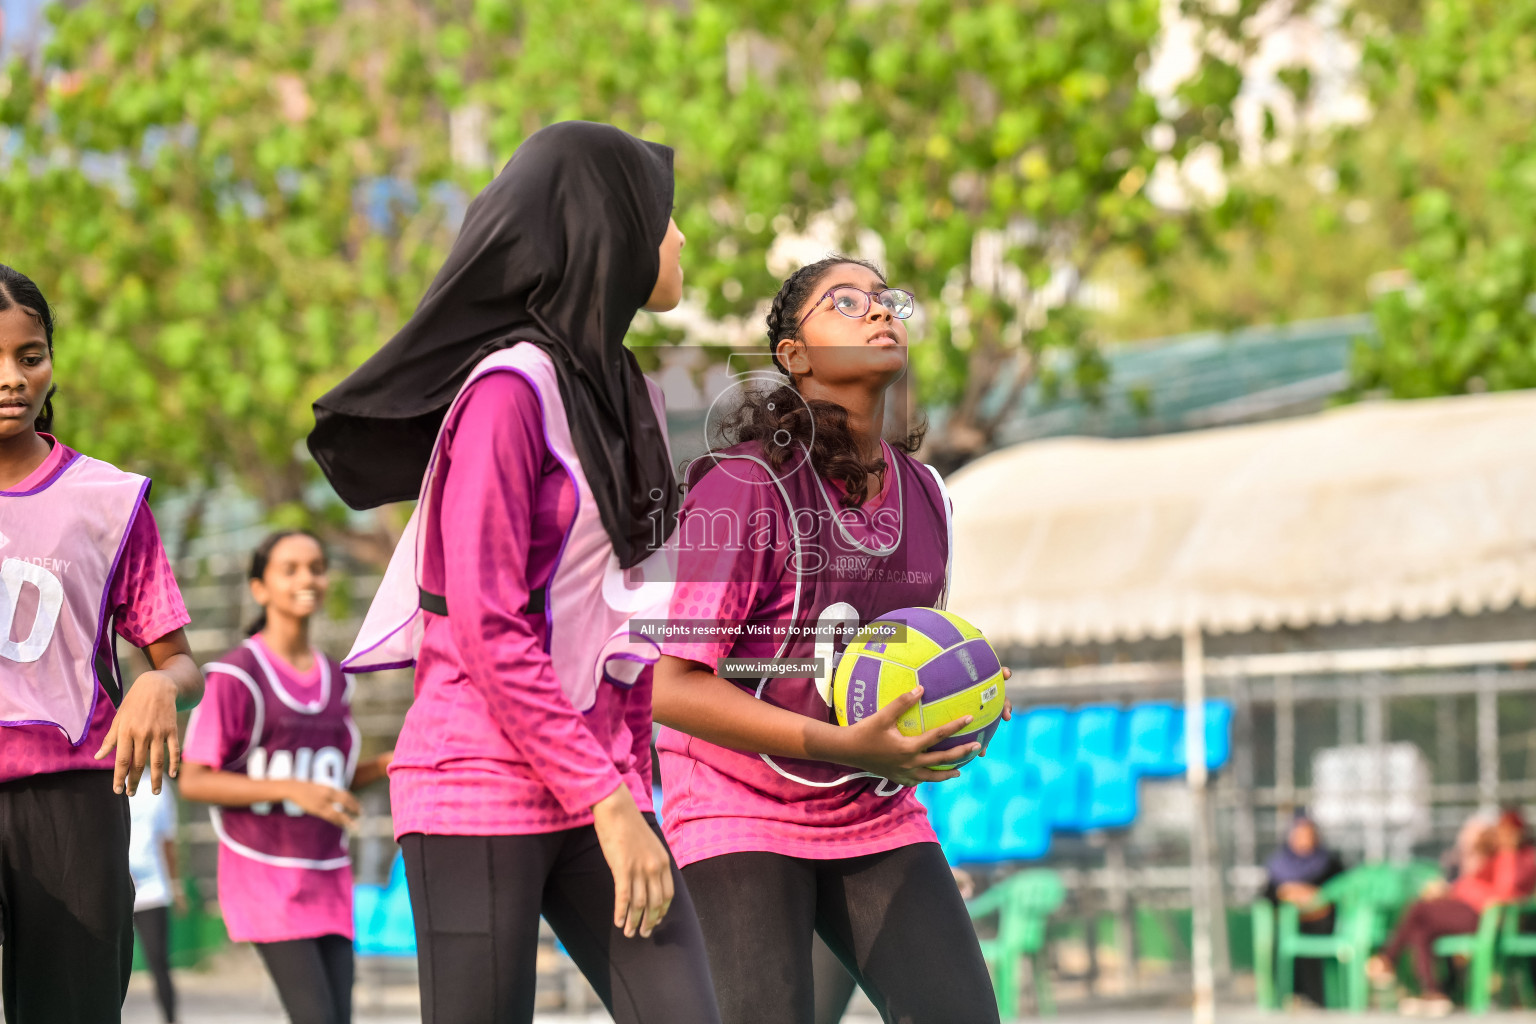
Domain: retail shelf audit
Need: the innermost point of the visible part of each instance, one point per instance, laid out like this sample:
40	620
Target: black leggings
477	901
66	898
833	985
894	919
313	977
154	928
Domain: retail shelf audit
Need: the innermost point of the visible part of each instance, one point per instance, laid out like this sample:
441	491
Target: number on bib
841	614
50	601
330	768
327	766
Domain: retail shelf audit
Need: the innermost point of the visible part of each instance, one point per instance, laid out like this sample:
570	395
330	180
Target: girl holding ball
786	824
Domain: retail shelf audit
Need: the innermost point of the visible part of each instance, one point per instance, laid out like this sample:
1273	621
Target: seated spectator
1499	868
1296	873
1466	839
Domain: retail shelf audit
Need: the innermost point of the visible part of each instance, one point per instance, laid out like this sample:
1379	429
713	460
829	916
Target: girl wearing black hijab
521	781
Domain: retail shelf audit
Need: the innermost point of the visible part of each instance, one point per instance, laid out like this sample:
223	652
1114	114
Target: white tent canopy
1363	513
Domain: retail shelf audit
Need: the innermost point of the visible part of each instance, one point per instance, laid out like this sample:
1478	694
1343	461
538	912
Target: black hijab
561	251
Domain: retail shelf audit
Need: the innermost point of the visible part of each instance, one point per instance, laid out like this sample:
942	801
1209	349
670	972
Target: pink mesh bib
59	547
590	600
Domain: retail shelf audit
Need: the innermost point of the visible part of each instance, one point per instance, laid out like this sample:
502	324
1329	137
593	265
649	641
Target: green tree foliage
1314	252
232	203
186	185
1453	78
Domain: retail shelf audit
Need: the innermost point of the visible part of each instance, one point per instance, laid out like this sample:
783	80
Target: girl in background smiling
273	747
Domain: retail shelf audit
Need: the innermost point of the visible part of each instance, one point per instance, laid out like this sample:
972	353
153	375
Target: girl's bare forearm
230	789
691	699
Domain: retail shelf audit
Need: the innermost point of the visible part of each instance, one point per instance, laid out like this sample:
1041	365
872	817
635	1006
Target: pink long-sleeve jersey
492	746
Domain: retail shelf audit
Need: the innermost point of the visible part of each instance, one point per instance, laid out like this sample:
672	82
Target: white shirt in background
153	824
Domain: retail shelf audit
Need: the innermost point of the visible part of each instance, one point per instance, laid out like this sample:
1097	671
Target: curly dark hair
19	290
778	417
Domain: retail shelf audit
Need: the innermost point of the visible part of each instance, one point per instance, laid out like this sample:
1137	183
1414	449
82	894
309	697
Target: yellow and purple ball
958	670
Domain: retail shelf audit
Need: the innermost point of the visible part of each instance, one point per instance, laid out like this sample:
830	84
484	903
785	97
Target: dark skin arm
372	770
234	789
177	896
690	698
144	732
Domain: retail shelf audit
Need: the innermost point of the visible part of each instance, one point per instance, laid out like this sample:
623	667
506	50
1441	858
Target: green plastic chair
1481	950
1023	904
1515	947
1365	899
1262	915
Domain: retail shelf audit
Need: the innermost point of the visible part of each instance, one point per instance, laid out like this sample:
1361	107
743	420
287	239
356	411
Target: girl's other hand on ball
876	745
1007	705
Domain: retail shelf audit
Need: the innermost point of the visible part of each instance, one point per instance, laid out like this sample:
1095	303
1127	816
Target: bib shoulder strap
949	531
83	464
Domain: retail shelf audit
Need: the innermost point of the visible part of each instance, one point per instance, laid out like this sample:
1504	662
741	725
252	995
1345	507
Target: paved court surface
200	1007
236	991
201	1010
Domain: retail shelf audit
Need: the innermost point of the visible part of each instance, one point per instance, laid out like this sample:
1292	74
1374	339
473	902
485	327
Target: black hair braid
19	290
782	320
782	420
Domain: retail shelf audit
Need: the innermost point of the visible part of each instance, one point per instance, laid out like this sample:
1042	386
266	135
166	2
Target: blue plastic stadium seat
1108	797
1025	832
1049	754
1098	732
1218	736
1106	786
1218	733
1151	731
972	828
382	916
934	796
365	905
1010	741
1052	769
966	815
396	931
954	806
994	775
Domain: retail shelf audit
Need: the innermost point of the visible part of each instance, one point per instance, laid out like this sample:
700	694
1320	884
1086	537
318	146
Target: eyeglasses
854	302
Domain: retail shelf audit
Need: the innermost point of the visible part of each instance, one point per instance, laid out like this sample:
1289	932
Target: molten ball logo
857	704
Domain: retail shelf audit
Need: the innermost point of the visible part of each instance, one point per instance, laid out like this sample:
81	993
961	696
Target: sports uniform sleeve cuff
575	799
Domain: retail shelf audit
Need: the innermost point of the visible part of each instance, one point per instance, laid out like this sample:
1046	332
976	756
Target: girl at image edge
80	553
